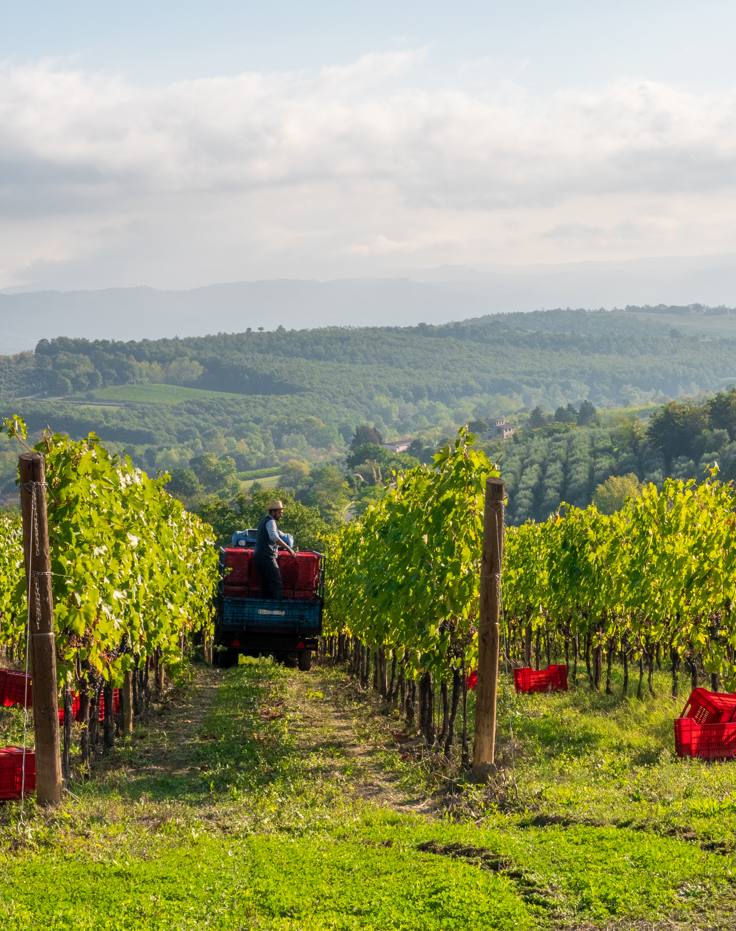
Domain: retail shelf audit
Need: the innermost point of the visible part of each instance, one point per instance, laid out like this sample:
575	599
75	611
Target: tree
587	415
676	430
566	414
722	412
367	496
365	434
374	463
184	484
294	473
626	432
537	418
368	452
329	493
302	521
223	519
215	474
612	494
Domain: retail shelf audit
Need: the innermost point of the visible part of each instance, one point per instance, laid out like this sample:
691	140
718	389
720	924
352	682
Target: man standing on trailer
265	555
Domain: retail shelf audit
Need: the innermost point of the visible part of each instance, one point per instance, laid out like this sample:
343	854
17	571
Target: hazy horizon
434	296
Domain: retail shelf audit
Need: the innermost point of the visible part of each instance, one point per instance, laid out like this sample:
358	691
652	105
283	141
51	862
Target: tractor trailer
288	628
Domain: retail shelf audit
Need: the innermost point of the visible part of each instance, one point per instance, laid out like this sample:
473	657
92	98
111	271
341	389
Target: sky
176	145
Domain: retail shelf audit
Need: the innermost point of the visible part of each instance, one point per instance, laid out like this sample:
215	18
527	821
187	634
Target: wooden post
127	701
109	719
42	650
484	748
66	765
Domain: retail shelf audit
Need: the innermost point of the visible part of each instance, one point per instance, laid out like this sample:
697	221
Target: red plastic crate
11	772
552	679
706	707
308	575
237	560
13	688
705	741
299	574
101	708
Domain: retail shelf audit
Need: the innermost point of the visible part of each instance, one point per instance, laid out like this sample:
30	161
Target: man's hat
275	506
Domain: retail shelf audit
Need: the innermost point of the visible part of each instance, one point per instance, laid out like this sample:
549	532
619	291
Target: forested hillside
263	399
524	358
559	462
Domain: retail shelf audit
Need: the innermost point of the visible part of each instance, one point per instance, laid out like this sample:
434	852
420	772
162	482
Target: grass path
165	755
329	719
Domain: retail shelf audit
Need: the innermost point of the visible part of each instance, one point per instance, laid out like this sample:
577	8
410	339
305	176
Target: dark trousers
269	577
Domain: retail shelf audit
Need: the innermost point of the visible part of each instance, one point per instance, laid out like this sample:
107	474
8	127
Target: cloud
289	171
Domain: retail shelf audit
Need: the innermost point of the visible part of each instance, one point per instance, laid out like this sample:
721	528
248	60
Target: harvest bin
706	707
13	688
13	691
552	679
707	727
11	772
705	741
100	707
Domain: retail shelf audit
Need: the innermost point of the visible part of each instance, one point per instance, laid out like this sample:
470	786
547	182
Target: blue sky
179	144
546	45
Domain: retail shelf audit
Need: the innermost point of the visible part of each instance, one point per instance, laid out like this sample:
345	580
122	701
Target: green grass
271	482
259	473
274	882
157	394
267	827
587	758
635	411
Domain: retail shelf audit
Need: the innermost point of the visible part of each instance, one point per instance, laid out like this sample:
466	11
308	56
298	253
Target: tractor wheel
305	660
227	658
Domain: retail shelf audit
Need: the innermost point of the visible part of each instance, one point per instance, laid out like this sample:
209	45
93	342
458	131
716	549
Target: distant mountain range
404	297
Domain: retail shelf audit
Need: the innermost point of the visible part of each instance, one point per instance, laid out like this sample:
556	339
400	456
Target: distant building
497	427
398	446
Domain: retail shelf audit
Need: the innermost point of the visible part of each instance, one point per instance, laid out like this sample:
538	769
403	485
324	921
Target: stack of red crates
552	679
13	688
11	772
13	691
299	574
707	727
100	707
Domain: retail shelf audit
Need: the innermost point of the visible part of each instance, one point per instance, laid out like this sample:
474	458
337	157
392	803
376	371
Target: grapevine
132	571
658	577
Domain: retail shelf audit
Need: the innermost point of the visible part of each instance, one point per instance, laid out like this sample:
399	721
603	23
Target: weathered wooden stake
127	700
484	748
42	650
66	761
